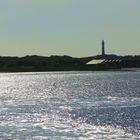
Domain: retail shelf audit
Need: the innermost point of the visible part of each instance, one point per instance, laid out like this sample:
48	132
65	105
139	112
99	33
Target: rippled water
70	106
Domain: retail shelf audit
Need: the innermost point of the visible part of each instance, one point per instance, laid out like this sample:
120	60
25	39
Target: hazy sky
69	27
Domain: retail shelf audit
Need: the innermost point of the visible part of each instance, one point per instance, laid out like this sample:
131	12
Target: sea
99	105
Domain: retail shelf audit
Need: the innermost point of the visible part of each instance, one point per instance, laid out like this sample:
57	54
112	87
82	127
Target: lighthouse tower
103	48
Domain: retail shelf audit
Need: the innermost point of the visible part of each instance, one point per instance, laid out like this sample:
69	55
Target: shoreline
95	70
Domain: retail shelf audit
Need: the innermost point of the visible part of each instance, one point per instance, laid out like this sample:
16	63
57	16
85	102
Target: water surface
70	106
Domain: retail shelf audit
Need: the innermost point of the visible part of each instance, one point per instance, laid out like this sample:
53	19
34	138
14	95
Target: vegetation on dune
54	63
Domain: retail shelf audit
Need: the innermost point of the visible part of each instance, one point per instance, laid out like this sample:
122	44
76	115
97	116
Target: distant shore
62	63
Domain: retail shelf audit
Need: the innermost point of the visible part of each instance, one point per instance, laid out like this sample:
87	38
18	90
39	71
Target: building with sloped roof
111	59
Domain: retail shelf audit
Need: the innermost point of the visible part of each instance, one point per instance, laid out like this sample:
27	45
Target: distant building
103	48
95	61
112	60
104	58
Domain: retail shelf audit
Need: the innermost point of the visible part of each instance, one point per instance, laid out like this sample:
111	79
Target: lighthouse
103	48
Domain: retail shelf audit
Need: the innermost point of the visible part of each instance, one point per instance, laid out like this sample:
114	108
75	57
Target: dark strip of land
61	63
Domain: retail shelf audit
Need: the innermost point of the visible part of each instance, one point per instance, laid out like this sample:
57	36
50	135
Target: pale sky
69	27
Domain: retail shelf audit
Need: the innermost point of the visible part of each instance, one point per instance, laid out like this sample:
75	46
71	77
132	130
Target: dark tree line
52	63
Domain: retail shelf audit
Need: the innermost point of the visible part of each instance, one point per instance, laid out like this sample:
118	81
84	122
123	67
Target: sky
69	27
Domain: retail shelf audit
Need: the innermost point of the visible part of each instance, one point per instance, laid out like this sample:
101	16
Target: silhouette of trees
53	63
